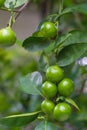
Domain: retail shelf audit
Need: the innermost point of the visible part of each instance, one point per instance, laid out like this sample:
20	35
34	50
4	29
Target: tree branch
22	8
17	13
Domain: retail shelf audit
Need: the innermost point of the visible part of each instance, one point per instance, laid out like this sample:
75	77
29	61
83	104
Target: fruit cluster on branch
55	90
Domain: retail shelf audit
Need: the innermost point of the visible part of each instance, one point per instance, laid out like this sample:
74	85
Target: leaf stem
11	21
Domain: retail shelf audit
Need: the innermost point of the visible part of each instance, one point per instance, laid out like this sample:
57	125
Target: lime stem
18	12
11	21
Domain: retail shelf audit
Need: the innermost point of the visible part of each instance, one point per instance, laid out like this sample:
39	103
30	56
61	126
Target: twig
5	9
60	10
61	6
21	9
16	13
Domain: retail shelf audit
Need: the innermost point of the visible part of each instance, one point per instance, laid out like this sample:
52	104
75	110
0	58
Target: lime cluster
55	87
47	30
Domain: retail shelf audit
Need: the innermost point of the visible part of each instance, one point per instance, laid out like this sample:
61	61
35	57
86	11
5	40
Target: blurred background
16	62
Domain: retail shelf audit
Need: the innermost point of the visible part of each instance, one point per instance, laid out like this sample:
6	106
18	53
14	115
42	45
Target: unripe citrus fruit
49	29
7	37
54	73
47	106
62	111
49	89
65	87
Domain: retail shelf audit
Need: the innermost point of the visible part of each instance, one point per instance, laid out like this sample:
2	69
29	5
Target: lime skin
49	29
47	106
54	73
66	87
49	89
7	37
62	111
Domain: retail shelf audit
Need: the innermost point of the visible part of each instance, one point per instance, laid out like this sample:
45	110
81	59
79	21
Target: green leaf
68	39
59	41
62	39
35	43
18	3
66	11
69	100
82	116
19	120
43	62
71	53
31	83
81	8
46	126
76	37
34	103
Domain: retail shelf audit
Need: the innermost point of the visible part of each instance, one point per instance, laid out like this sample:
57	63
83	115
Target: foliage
23	72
